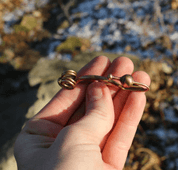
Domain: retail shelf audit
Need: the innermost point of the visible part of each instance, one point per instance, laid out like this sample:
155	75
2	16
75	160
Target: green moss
3	59
29	22
20	28
69	45
64	25
3	43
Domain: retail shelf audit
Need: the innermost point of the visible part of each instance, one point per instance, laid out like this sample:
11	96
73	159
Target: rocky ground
41	38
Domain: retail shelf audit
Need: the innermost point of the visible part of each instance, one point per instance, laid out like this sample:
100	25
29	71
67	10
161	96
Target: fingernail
95	92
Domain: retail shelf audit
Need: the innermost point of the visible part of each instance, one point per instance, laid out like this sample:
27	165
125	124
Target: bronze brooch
69	80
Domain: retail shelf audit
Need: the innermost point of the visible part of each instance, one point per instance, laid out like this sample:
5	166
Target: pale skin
88	128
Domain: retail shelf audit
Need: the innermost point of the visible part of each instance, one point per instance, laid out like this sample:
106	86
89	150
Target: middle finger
119	67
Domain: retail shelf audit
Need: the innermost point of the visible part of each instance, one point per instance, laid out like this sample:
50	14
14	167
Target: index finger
65	102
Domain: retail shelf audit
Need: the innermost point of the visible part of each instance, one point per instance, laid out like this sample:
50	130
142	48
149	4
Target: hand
62	136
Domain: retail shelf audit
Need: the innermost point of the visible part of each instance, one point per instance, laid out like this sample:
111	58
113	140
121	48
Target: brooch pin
69	80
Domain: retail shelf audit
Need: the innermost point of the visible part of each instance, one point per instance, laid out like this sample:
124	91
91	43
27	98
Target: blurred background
39	39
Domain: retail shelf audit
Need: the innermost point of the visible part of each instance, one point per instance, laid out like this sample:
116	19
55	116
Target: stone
170	82
10	163
9	54
166	68
37	13
45	70
45	93
154	86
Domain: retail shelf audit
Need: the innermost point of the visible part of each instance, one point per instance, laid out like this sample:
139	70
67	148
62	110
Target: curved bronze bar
69	80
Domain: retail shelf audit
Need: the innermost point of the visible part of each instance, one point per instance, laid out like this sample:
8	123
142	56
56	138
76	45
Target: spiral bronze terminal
69	80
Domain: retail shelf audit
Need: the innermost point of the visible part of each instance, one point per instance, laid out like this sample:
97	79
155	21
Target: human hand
67	135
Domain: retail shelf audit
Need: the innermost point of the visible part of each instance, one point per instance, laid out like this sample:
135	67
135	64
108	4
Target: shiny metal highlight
69	80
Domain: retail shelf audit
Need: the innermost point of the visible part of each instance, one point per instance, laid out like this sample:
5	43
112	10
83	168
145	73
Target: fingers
119	67
65	102
99	116
119	142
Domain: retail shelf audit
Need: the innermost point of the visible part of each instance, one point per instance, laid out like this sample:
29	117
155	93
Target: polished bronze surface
69	80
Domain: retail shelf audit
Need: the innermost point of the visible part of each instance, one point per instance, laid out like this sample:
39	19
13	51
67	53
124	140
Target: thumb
99	117
79	142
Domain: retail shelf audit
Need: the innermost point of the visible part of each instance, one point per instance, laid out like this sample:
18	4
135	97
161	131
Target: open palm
89	127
